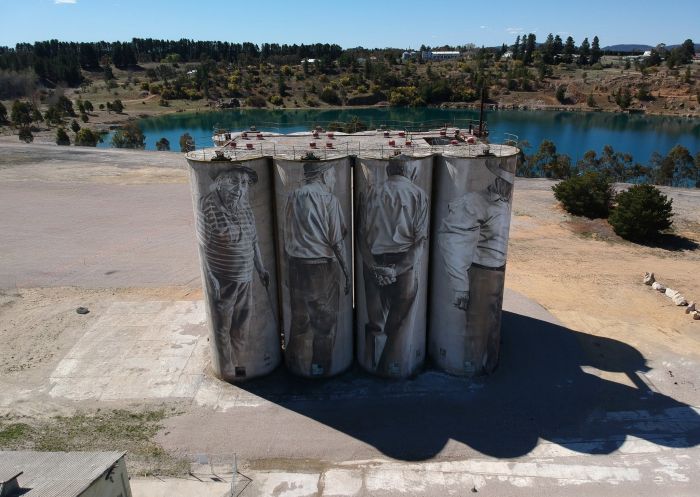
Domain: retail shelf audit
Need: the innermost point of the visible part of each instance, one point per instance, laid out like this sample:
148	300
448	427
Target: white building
439	55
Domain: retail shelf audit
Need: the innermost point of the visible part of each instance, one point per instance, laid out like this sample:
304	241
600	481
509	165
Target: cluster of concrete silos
386	258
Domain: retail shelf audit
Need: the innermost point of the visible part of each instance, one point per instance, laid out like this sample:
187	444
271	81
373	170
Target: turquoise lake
573	132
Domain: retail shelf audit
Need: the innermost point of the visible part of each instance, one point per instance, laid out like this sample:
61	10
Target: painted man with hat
314	230
474	235
226	231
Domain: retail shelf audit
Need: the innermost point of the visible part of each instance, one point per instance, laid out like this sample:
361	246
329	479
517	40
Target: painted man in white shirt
475	232
314	233
392	229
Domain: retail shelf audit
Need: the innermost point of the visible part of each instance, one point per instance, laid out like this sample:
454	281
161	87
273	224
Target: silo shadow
539	391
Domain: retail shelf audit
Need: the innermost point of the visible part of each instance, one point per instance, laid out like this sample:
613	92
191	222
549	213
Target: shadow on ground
674	243
540	391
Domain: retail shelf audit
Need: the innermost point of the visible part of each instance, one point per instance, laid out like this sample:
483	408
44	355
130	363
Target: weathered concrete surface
94	235
80	217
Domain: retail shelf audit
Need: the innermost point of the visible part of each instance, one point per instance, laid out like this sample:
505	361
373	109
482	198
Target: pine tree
569	50
596	52
529	52
62	137
547	49
557	46
584	52
516	48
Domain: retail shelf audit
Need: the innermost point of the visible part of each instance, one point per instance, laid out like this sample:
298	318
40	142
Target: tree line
60	62
677	168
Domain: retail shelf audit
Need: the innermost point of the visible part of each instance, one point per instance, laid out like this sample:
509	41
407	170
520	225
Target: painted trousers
314	294
388	309
231	317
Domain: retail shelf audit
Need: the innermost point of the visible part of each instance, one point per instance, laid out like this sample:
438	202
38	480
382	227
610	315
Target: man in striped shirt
229	247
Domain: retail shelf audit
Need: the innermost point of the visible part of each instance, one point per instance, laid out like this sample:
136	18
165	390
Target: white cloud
515	31
483	27
64	2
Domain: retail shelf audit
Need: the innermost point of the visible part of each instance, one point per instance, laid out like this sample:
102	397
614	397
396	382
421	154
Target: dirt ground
590	278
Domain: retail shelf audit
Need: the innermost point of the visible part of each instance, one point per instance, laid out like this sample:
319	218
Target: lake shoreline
531	125
104	122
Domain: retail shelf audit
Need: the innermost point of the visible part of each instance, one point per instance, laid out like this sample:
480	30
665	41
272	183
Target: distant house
310	61
507	55
439	55
408	56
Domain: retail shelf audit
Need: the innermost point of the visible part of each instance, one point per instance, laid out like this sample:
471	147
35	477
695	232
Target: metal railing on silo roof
354	126
486	145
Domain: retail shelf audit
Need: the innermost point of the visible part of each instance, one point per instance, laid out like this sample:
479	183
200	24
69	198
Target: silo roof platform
380	143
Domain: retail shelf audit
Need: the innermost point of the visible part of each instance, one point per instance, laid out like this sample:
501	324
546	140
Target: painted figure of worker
473	240
314	233
230	250
393	220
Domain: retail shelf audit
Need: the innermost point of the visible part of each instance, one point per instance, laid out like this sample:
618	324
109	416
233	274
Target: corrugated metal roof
56	474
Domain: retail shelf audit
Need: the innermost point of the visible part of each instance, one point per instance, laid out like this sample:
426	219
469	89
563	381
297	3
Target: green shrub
163	145
641	213
62	137
25	134
589	195
255	101
186	143
330	96
130	136
87	138
561	94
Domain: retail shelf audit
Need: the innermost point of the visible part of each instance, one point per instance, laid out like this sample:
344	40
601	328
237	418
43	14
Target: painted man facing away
314	230
393	226
226	231
475	232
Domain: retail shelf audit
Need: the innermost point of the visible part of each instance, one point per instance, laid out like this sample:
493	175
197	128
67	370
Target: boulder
658	287
649	279
676	297
690	308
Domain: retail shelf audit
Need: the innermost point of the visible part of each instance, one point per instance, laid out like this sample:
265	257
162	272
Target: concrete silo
235	235
392	227
314	254
471	221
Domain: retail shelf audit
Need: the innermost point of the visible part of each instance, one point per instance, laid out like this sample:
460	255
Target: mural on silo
393	217
472	226
313	213
239	287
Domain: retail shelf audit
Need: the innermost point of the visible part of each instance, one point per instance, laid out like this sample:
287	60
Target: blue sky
405	24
